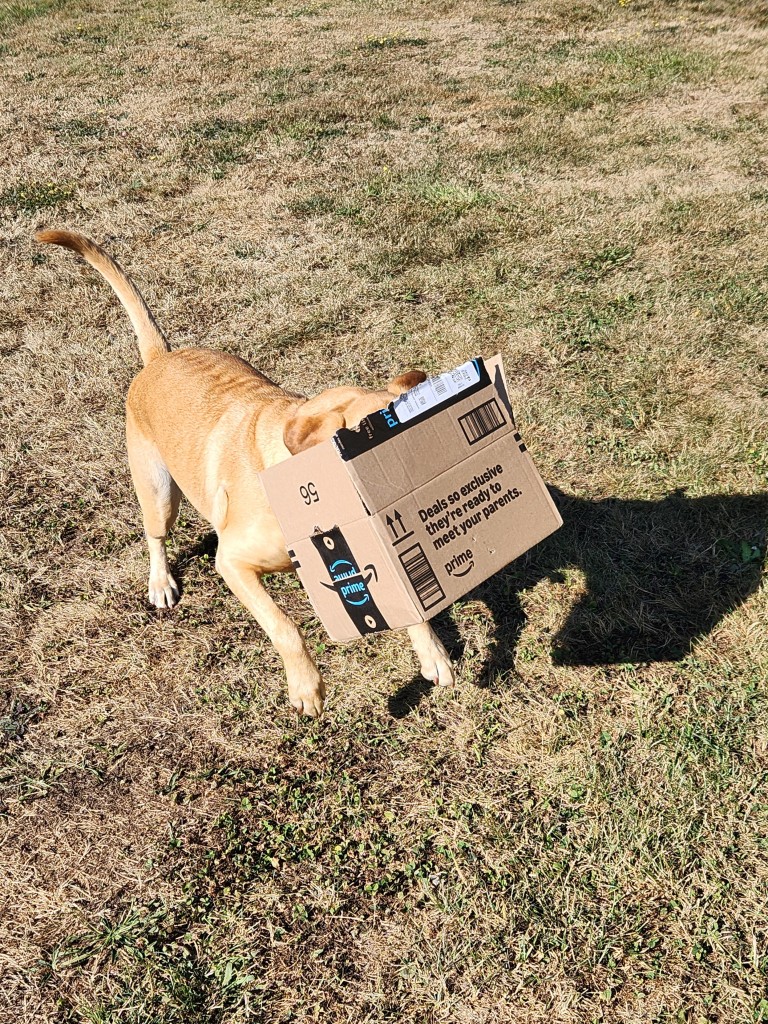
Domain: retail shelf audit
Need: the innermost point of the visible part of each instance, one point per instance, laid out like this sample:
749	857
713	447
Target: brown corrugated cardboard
391	522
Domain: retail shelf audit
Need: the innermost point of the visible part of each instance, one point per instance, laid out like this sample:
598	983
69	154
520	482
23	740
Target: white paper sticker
435	391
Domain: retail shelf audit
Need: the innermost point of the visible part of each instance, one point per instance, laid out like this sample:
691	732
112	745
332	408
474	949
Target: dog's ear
406	381
305	429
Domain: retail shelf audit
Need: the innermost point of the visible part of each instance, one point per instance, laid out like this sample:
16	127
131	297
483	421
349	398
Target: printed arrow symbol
396	523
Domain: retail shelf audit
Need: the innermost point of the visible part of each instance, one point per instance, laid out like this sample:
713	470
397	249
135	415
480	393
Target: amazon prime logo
350	582
461	564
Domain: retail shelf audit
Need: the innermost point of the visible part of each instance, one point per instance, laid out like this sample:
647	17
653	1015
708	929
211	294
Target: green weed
30	196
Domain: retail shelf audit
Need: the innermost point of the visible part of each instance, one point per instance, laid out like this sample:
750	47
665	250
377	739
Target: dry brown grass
336	190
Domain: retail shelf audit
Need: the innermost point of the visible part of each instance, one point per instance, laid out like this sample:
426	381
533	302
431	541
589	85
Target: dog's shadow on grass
405	700
204	547
652	577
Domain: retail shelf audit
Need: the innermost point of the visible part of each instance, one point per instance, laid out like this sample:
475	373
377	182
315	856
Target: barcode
421	576
441	388
482	421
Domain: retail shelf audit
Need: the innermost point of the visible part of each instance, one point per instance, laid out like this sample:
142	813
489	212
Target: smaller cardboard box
391	522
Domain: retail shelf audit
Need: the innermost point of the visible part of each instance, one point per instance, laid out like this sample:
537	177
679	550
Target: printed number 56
309	493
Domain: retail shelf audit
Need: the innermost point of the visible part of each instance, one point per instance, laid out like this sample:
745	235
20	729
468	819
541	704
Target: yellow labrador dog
206	423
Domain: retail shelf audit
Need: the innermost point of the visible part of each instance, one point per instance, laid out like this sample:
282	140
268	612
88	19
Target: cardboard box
391	522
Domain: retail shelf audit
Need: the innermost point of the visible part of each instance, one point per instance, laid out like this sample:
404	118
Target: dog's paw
439	670
436	665
163	591
307	697
433	658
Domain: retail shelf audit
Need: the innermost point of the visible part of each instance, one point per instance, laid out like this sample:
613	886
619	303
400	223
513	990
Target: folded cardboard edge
382	425
494	371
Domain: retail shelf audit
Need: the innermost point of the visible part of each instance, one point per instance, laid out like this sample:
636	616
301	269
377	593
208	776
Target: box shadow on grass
659	576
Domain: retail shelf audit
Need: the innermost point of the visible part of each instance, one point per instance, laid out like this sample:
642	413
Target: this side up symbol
396	524
397	527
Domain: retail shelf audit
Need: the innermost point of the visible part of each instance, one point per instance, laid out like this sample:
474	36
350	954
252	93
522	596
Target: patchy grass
15	14
30	196
390	42
220	142
337	191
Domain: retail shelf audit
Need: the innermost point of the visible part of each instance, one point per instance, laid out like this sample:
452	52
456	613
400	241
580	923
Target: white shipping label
435	391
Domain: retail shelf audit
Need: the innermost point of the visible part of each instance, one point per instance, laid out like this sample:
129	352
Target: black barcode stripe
421	576
482	421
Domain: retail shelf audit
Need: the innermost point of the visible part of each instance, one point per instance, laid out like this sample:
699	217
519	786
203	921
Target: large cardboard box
391	522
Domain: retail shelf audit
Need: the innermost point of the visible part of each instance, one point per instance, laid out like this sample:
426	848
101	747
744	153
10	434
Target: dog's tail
152	342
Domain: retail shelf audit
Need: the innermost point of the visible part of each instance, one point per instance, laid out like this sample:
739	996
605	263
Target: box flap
389	456
311	491
424	400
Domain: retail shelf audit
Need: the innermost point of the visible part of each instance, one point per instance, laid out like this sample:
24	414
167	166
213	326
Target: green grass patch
217	143
312	205
309	10
313	129
424	196
30	196
392	42
96	35
602	263
589	325
612	75
14	14
653	64
450	199
740	297
89	127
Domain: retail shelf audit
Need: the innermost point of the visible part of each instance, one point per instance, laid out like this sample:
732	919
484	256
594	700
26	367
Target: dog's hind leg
159	498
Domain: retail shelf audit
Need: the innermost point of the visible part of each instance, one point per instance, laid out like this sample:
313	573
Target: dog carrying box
391	522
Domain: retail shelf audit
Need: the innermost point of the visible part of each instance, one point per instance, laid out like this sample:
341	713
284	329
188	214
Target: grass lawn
338	190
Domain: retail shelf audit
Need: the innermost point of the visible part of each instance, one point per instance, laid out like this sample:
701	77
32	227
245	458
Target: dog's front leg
433	657
305	685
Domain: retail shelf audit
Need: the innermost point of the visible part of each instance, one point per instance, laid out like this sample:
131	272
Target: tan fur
204	423
152	341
